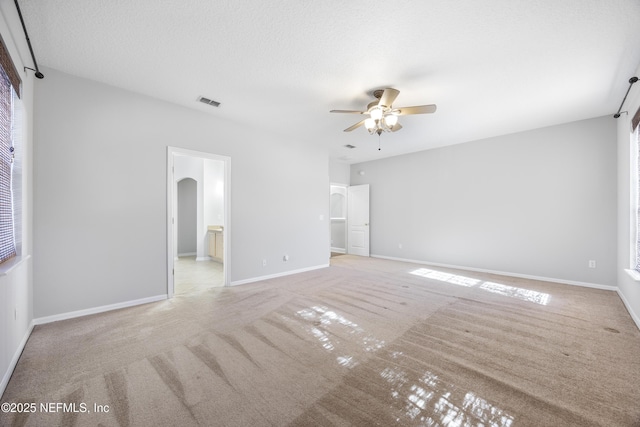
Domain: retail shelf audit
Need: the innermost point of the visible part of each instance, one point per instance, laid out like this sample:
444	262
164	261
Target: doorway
198	213
338	212
349	209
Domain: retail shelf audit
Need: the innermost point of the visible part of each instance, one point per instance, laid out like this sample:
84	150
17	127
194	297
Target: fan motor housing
372	104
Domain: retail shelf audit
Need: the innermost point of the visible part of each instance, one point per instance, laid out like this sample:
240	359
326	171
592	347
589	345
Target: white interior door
358	220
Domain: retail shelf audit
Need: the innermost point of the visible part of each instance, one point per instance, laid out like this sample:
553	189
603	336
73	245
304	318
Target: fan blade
347	111
388	96
357	125
397	127
420	109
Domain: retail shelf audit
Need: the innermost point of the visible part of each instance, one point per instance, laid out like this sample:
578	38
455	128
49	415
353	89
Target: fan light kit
382	116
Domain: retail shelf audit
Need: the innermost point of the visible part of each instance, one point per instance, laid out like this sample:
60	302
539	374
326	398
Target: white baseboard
187	254
272	276
339	250
14	359
627	305
504	273
203	258
95	310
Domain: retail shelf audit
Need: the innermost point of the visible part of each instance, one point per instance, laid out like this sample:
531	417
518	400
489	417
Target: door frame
172	194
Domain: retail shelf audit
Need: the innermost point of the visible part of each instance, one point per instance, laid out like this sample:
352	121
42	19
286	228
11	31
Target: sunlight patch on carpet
323	320
496	288
431	401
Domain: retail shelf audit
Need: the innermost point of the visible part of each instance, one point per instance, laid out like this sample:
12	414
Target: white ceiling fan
382	116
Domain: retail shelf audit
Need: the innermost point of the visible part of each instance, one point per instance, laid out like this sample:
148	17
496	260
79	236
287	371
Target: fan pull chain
378	141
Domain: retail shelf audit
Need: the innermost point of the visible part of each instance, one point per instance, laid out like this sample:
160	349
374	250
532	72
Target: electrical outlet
592	263
264	262
285	258
399	245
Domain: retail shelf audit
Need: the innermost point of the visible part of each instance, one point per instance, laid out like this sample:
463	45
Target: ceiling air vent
349	146
209	101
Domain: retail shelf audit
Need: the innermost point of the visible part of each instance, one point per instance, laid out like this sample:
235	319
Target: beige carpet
365	342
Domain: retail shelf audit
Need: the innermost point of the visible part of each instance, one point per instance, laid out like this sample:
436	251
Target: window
9	92
635	143
7	237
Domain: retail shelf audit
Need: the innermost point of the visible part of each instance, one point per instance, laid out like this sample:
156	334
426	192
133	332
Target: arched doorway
187	217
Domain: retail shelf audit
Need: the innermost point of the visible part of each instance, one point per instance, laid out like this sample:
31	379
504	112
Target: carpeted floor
365	342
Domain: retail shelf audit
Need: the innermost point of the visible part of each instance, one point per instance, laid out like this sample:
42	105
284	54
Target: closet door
358	220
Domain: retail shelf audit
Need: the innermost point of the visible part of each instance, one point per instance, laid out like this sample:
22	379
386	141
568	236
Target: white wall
213	192
339	172
538	203
629	288
100	234
16	286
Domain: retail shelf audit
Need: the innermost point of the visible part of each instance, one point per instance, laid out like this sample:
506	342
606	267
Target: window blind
10	85
17	136
7	241
9	68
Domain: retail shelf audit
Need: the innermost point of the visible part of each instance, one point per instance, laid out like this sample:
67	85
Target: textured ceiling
493	67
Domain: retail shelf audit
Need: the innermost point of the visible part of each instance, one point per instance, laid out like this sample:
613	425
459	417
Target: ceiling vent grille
209	101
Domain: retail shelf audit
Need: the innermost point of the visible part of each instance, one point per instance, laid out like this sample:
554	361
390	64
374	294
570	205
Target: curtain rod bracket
38	73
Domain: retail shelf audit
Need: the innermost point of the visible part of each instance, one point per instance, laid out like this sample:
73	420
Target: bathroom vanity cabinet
216	246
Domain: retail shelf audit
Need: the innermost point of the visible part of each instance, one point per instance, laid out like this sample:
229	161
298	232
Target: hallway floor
193	276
